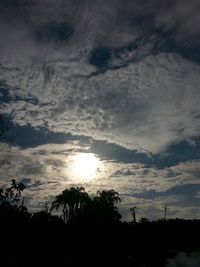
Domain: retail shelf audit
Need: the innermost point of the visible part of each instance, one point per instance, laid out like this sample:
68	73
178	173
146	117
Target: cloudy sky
111	88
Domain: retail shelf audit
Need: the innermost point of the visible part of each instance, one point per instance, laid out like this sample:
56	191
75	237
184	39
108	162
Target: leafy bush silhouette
10	209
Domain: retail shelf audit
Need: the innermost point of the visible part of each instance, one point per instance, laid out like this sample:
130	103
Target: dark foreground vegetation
89	232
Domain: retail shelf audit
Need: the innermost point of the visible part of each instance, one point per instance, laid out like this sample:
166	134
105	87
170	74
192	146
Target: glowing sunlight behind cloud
83	167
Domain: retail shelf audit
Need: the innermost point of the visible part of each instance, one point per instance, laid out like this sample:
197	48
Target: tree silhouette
169	236
104	206
71	200
107	197
13	193
143	220
10	210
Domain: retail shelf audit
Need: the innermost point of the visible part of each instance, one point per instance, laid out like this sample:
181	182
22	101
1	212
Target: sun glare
84	166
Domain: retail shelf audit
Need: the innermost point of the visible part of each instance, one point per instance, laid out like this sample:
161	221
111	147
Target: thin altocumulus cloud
45	171
119	79
144	104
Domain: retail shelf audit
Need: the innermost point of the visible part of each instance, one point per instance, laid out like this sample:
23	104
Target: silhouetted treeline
89	230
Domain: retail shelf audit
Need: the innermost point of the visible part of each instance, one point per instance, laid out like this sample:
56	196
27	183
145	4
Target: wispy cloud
116	79
45	171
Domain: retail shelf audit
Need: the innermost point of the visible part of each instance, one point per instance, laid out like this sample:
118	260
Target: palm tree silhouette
104	206
107	197
61	201
71	200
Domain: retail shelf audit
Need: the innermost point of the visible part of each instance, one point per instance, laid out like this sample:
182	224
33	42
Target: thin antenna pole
133	213
165	212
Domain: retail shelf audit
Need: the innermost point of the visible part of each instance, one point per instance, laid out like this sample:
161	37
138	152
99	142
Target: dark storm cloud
30	169
52	32
180	152
46	21
117	153
30	183
189	190
188	193
27	136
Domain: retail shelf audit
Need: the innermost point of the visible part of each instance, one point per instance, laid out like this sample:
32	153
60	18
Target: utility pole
45	207
165	212
133	213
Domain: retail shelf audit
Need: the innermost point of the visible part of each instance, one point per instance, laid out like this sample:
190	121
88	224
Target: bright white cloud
153	103
44	169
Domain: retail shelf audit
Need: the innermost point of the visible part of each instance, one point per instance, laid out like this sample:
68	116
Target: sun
84	166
